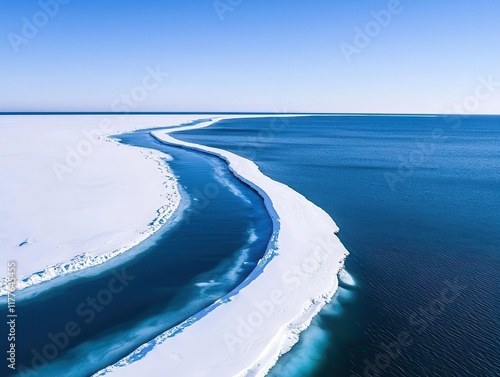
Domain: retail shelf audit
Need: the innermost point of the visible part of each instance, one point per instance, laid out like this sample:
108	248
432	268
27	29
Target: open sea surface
417	200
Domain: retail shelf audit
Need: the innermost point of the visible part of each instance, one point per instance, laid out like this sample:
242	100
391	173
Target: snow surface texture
245	332
71	198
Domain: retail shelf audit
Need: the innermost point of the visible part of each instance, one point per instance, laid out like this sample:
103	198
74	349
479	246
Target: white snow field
67	190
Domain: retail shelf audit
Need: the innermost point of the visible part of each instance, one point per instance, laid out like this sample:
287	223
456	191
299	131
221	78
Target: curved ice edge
288	331
86	260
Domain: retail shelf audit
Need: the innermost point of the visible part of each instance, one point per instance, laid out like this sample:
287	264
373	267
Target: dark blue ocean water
222	234
417	200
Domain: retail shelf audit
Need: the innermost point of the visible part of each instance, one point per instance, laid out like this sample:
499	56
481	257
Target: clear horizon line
226	113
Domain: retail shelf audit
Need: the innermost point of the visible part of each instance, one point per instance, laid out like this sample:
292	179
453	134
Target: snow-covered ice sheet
67	190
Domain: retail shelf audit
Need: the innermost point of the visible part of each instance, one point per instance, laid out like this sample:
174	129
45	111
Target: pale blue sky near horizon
256	56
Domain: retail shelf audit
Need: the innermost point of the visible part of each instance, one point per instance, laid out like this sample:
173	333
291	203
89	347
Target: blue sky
421	56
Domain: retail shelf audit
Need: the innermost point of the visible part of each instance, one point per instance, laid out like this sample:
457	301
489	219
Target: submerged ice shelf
245	332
